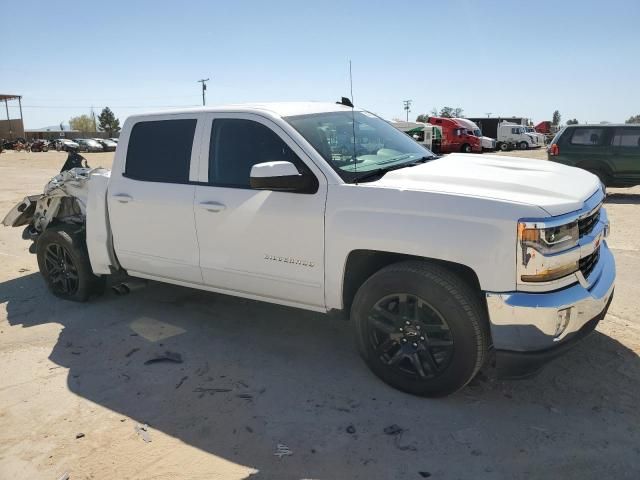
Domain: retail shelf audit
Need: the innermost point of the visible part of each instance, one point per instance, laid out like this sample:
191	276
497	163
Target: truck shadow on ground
623	198
254	375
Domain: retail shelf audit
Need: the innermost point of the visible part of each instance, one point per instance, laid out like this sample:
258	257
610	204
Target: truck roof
282	109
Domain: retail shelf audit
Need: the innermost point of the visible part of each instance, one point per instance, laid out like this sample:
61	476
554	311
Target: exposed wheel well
361	264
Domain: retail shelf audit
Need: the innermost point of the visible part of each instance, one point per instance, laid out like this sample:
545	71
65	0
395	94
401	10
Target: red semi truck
455	136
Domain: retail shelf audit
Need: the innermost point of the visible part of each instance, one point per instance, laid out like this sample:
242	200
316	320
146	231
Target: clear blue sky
508	57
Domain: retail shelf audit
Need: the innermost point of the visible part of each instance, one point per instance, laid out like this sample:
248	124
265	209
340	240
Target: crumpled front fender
22	213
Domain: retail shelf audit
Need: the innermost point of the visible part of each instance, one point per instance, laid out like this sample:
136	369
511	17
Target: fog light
564	317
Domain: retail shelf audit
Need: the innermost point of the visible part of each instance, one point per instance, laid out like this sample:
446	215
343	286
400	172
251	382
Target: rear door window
626	137
160	151
587	136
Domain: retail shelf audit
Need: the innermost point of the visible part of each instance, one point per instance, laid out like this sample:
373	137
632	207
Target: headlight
549	239
552	273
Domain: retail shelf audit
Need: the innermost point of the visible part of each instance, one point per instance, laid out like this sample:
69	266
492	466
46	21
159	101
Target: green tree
423	117
450	112
556	118
108	122
572	122
83	123
633	119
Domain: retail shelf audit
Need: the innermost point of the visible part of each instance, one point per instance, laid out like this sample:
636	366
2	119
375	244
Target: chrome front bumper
535	322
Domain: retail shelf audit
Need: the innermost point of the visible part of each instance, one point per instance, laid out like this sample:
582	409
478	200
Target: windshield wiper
379	172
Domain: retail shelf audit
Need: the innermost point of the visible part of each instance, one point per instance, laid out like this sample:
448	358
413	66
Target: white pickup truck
438	262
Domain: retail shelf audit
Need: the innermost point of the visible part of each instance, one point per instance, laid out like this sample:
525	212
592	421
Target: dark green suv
612	152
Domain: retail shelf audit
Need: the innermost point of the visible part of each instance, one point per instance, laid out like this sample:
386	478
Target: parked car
455	137
107	144
115	140
89	145
40	146
612	152
436	261
15	144
64	144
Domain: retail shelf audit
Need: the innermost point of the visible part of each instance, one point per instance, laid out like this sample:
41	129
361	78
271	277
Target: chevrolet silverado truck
440	263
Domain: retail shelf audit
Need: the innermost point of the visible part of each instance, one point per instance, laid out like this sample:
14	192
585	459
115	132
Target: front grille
586	224
588	263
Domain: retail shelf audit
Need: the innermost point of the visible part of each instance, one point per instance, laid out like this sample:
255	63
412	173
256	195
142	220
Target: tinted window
237	145
587	136
626	137
160	151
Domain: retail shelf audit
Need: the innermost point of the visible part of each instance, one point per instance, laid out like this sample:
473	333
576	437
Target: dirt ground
74	385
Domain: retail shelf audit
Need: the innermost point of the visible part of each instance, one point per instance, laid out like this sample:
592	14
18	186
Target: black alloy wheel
61	270
410	335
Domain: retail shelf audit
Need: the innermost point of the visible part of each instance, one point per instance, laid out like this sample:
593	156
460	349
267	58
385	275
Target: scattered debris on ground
211	391
131	352
282	450
393	430
167	356
143	432
79	435
351	429
65	476
182	380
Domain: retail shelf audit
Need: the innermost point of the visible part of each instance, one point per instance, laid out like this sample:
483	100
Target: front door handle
212	206
123	198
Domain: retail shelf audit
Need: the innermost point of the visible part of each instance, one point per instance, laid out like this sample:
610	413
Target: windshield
377	145
477	132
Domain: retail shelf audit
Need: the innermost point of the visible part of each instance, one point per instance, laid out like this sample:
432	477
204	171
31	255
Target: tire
503	147
466	148
448	310
75	281
523	146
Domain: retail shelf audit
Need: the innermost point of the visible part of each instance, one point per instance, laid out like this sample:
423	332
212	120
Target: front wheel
420	328
524	145
466	148
64	263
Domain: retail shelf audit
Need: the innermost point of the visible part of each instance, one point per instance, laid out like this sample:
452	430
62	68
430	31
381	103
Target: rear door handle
123	198
212	206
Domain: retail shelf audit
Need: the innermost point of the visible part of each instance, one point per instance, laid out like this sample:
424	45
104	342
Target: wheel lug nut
422	338
407	323
404	340
401	329
415	344
417	327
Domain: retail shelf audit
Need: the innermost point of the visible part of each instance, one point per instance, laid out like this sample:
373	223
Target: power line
407	107
204	87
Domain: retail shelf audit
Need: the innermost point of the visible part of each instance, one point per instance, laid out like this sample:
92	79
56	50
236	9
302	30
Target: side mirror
280	177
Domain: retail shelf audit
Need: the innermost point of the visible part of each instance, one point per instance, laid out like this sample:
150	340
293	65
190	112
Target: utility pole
407	107
489	114
204	87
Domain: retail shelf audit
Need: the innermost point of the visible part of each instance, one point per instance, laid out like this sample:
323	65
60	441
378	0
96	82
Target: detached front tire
64	263
420	328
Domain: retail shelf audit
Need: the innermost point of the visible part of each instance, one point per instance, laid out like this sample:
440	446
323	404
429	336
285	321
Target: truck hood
556	188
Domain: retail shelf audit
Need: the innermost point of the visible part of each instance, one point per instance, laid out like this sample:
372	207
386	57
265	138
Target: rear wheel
503	146
420	328
64	263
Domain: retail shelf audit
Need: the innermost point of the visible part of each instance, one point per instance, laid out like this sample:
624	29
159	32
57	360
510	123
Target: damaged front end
64	201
